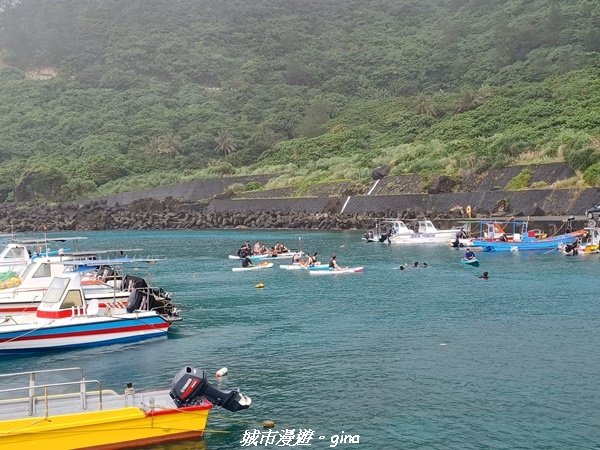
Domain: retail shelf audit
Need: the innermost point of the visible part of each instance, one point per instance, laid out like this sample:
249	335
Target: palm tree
166	146
424	105
225	143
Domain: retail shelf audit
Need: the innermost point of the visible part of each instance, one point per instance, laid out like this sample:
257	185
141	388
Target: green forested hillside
152	92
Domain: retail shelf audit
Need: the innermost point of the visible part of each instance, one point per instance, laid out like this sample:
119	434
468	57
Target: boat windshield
56	290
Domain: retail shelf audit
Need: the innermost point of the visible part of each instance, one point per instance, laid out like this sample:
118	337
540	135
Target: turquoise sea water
423	358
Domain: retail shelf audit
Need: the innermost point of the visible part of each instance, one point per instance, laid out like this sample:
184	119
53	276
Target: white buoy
222	372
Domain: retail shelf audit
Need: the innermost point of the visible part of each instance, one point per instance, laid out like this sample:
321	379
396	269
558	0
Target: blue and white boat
513	236
64	320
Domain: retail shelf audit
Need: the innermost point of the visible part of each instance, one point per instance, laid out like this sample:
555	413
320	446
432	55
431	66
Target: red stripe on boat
89	332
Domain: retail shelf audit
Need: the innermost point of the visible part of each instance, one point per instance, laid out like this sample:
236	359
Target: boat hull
110	429
441	237
81	333
525	245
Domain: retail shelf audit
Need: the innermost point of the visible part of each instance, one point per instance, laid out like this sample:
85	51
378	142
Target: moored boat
495	237
78	413
422	231
589	244
101	279
64	320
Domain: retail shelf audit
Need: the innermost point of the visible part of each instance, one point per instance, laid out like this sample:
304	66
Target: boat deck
67	397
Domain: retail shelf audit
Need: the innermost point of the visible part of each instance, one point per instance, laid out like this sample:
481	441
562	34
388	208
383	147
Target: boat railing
34	396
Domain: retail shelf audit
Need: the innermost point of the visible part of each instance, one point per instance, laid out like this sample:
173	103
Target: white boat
101	279
64	319
18	254
259	266
422	231
342	271
589	246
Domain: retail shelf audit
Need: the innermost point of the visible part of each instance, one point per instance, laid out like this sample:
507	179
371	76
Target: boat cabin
65	298
426	227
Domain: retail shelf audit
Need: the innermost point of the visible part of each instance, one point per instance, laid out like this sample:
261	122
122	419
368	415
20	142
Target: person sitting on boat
247	262
503	237
257	248
469	254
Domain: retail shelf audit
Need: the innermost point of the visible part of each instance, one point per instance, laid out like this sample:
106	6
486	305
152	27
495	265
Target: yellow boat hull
110	429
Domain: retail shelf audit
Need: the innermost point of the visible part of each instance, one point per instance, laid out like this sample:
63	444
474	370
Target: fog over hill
99	97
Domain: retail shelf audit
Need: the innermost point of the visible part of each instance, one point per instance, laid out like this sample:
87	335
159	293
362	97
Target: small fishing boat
496	238
18	254
64	320
262	265
62	409
590	244
341	271
101	279
473	262
422	231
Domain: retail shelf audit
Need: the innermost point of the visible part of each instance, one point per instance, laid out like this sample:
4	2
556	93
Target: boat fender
222	372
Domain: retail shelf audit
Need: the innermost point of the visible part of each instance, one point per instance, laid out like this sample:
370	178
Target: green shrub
592	175
581	159
253	186
520	181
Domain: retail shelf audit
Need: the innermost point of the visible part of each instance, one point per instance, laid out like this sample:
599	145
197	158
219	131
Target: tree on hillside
166	146
424	105
225	143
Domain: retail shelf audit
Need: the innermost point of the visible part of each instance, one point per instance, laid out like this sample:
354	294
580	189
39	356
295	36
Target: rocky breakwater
152	214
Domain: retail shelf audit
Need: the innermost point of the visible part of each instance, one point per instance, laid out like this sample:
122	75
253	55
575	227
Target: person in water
469	254
485	276
247	262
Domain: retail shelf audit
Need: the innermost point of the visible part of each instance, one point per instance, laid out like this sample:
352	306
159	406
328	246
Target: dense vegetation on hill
151	92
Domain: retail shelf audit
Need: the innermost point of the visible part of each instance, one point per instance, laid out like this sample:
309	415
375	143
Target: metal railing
32	389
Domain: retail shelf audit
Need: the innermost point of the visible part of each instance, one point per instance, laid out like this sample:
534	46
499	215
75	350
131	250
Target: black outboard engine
189	386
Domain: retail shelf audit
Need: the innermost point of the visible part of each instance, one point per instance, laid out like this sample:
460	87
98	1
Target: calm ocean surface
423	358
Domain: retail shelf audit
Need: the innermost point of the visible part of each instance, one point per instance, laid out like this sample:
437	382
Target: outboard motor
190	385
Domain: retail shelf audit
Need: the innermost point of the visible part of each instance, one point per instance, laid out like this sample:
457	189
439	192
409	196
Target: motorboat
66	319
19	253
62	409
421	231
514	236
101	279
589	244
